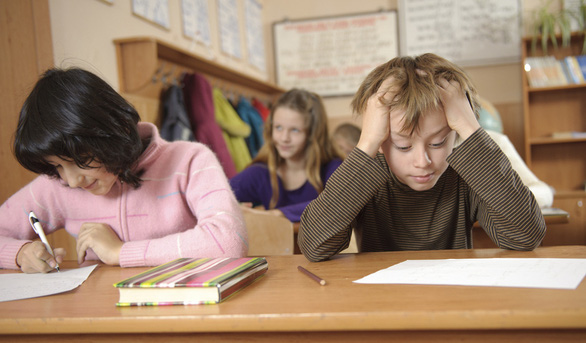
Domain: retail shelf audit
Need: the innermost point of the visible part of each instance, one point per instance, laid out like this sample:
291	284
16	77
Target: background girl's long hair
318	149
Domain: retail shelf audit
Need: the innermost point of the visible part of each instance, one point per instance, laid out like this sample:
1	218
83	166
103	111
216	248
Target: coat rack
144	61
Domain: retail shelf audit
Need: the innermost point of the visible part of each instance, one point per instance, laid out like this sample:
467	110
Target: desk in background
550	215
555	215
285	305
479	237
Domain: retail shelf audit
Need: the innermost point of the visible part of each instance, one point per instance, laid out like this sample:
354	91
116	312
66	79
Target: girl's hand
102	240
34	258
376	120
457	108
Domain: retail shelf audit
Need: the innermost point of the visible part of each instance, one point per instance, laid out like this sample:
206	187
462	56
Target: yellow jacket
234	130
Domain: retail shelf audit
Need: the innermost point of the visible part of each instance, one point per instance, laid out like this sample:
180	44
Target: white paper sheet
560	273
16	286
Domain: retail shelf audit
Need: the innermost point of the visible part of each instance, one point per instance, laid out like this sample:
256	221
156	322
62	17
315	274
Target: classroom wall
83	32
498	83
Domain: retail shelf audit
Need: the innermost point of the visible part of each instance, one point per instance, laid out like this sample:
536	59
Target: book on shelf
535	74
581	59
568	134
190	281
545	71
574	69
568	72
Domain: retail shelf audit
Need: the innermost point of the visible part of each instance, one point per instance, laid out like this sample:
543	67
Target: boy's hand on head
34	258
376	120
102	240
457	108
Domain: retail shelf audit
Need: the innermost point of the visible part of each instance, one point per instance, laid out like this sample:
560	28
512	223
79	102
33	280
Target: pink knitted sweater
184	208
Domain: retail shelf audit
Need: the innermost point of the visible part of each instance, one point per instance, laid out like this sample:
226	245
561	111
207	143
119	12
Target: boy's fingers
443	83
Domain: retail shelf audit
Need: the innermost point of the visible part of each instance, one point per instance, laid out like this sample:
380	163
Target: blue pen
36	224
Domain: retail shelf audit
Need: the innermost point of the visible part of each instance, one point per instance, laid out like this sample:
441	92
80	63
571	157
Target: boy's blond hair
415	84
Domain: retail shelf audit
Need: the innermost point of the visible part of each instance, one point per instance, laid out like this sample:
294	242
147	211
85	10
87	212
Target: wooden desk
285	305
550	215
554	215
480	238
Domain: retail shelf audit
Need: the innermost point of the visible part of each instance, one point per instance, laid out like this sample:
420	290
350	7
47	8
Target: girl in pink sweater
129	197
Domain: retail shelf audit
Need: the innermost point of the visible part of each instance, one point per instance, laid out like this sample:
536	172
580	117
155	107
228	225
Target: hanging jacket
200	107
250	116
233	129
176	125
261	108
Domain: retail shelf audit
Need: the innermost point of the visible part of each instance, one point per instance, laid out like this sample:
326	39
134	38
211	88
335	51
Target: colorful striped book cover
190	281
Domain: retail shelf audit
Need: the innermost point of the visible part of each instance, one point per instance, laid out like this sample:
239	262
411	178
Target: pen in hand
36	224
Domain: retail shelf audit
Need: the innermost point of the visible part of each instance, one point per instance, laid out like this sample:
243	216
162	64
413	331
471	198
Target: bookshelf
560	162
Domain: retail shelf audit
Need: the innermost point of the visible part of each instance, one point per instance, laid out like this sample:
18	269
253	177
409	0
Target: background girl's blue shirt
253	185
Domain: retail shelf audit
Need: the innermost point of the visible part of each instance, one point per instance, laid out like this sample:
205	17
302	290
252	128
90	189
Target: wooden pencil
312	275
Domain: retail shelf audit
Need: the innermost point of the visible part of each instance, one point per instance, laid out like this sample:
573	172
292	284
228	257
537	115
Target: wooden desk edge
130	320
389	321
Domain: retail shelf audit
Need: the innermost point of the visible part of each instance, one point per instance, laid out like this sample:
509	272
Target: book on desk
190	281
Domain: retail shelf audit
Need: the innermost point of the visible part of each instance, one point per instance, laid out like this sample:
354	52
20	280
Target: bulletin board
155	11
331	56
196	20
467	33
229	27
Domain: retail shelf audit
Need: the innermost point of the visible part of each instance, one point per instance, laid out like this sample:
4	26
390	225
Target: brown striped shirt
479	185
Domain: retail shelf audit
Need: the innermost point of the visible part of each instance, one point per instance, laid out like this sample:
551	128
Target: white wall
83	32
499	84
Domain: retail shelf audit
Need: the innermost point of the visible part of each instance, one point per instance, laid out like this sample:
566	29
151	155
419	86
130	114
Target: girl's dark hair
76	116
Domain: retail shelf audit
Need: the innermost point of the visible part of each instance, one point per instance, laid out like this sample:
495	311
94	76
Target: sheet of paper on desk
560	273
16	286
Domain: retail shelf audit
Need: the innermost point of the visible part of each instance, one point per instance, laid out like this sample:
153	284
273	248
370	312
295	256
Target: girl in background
296	160
129	197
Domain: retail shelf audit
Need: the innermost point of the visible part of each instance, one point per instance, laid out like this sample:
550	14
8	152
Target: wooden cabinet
575	231
560	162
26	51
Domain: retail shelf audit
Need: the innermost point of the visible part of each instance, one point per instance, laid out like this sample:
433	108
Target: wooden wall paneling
553	111
148	108
26	51
562	166
574	232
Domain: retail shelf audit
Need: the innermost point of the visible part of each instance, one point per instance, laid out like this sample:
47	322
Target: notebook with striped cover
190	281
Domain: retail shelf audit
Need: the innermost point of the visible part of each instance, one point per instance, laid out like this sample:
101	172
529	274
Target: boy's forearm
325	226
507	210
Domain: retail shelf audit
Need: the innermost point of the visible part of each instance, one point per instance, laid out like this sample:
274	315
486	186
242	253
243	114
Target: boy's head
420	138
345	137
415	84
76	116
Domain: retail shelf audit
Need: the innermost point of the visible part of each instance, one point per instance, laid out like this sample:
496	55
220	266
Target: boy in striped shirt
422	173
